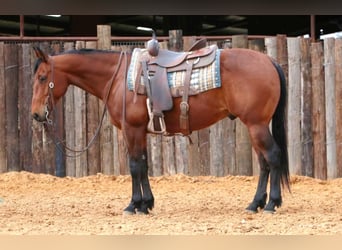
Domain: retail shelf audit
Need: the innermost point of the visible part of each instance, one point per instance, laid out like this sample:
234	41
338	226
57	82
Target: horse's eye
42	79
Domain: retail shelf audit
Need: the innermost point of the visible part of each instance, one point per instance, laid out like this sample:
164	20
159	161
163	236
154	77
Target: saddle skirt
202	78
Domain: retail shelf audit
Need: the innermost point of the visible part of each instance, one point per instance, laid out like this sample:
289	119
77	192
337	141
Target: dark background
197	25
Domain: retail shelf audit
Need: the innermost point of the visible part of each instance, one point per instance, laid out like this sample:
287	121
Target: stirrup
150	125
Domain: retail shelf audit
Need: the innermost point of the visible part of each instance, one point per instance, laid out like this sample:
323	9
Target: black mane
84	51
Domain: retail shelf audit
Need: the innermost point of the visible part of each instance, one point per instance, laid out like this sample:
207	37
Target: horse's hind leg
269	159
260	197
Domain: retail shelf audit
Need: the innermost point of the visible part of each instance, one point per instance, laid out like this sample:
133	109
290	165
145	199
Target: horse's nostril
35	116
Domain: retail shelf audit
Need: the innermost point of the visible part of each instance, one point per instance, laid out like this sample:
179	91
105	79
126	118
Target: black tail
278	128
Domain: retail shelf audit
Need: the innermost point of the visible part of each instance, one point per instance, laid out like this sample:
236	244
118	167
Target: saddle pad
202	79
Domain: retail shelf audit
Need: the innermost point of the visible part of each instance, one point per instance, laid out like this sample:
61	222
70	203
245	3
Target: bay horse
252	89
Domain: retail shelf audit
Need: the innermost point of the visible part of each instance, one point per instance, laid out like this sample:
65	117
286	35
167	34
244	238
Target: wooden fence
314	115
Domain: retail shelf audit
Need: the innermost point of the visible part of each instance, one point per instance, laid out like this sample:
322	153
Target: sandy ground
38	204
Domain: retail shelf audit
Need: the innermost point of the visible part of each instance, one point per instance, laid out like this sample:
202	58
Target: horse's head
45	91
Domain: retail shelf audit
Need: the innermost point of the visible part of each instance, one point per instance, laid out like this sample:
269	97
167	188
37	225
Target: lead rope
57	141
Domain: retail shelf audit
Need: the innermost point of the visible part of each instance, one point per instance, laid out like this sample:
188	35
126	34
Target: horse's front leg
142	198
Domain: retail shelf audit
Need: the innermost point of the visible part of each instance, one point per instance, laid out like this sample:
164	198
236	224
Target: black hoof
146	206
253	207
271	205
131	209
142	207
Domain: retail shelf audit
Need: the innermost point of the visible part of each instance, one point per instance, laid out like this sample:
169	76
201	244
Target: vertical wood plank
204	151
271	47
169	163
69	124
3	157
329	78
11	110
80	135
294	107
338	105
282	57
181	143
93	119
156	154
216	149
168	146
25	96
188	41
80	125
106	135
243	144
181	151
123	154
318	111
217	163
257	44
176	40
229	147
104	37
194	155
116	163
306	103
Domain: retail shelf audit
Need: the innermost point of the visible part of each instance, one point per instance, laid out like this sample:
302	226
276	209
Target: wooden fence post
106	134
25	96
3	158
216	152
81	162
93	119
306	119
294	106
338	105
181	142
243	144
11	110
168	145
318	112
282	57
217	144
69	121
271	47
329	63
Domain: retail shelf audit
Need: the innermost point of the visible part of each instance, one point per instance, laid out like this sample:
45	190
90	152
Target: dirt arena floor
37	204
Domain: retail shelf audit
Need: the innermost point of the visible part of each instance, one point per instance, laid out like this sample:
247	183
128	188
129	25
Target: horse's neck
89	72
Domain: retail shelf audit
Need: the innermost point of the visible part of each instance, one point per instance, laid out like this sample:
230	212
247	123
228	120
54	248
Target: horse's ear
40	54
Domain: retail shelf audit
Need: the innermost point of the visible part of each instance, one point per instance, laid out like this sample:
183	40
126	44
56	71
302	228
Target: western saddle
154	69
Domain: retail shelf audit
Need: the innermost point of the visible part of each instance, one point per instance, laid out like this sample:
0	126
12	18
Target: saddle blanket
202	79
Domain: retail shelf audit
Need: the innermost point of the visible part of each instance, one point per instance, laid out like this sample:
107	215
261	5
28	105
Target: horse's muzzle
39	118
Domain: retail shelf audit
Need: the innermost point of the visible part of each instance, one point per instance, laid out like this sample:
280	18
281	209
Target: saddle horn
152	45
